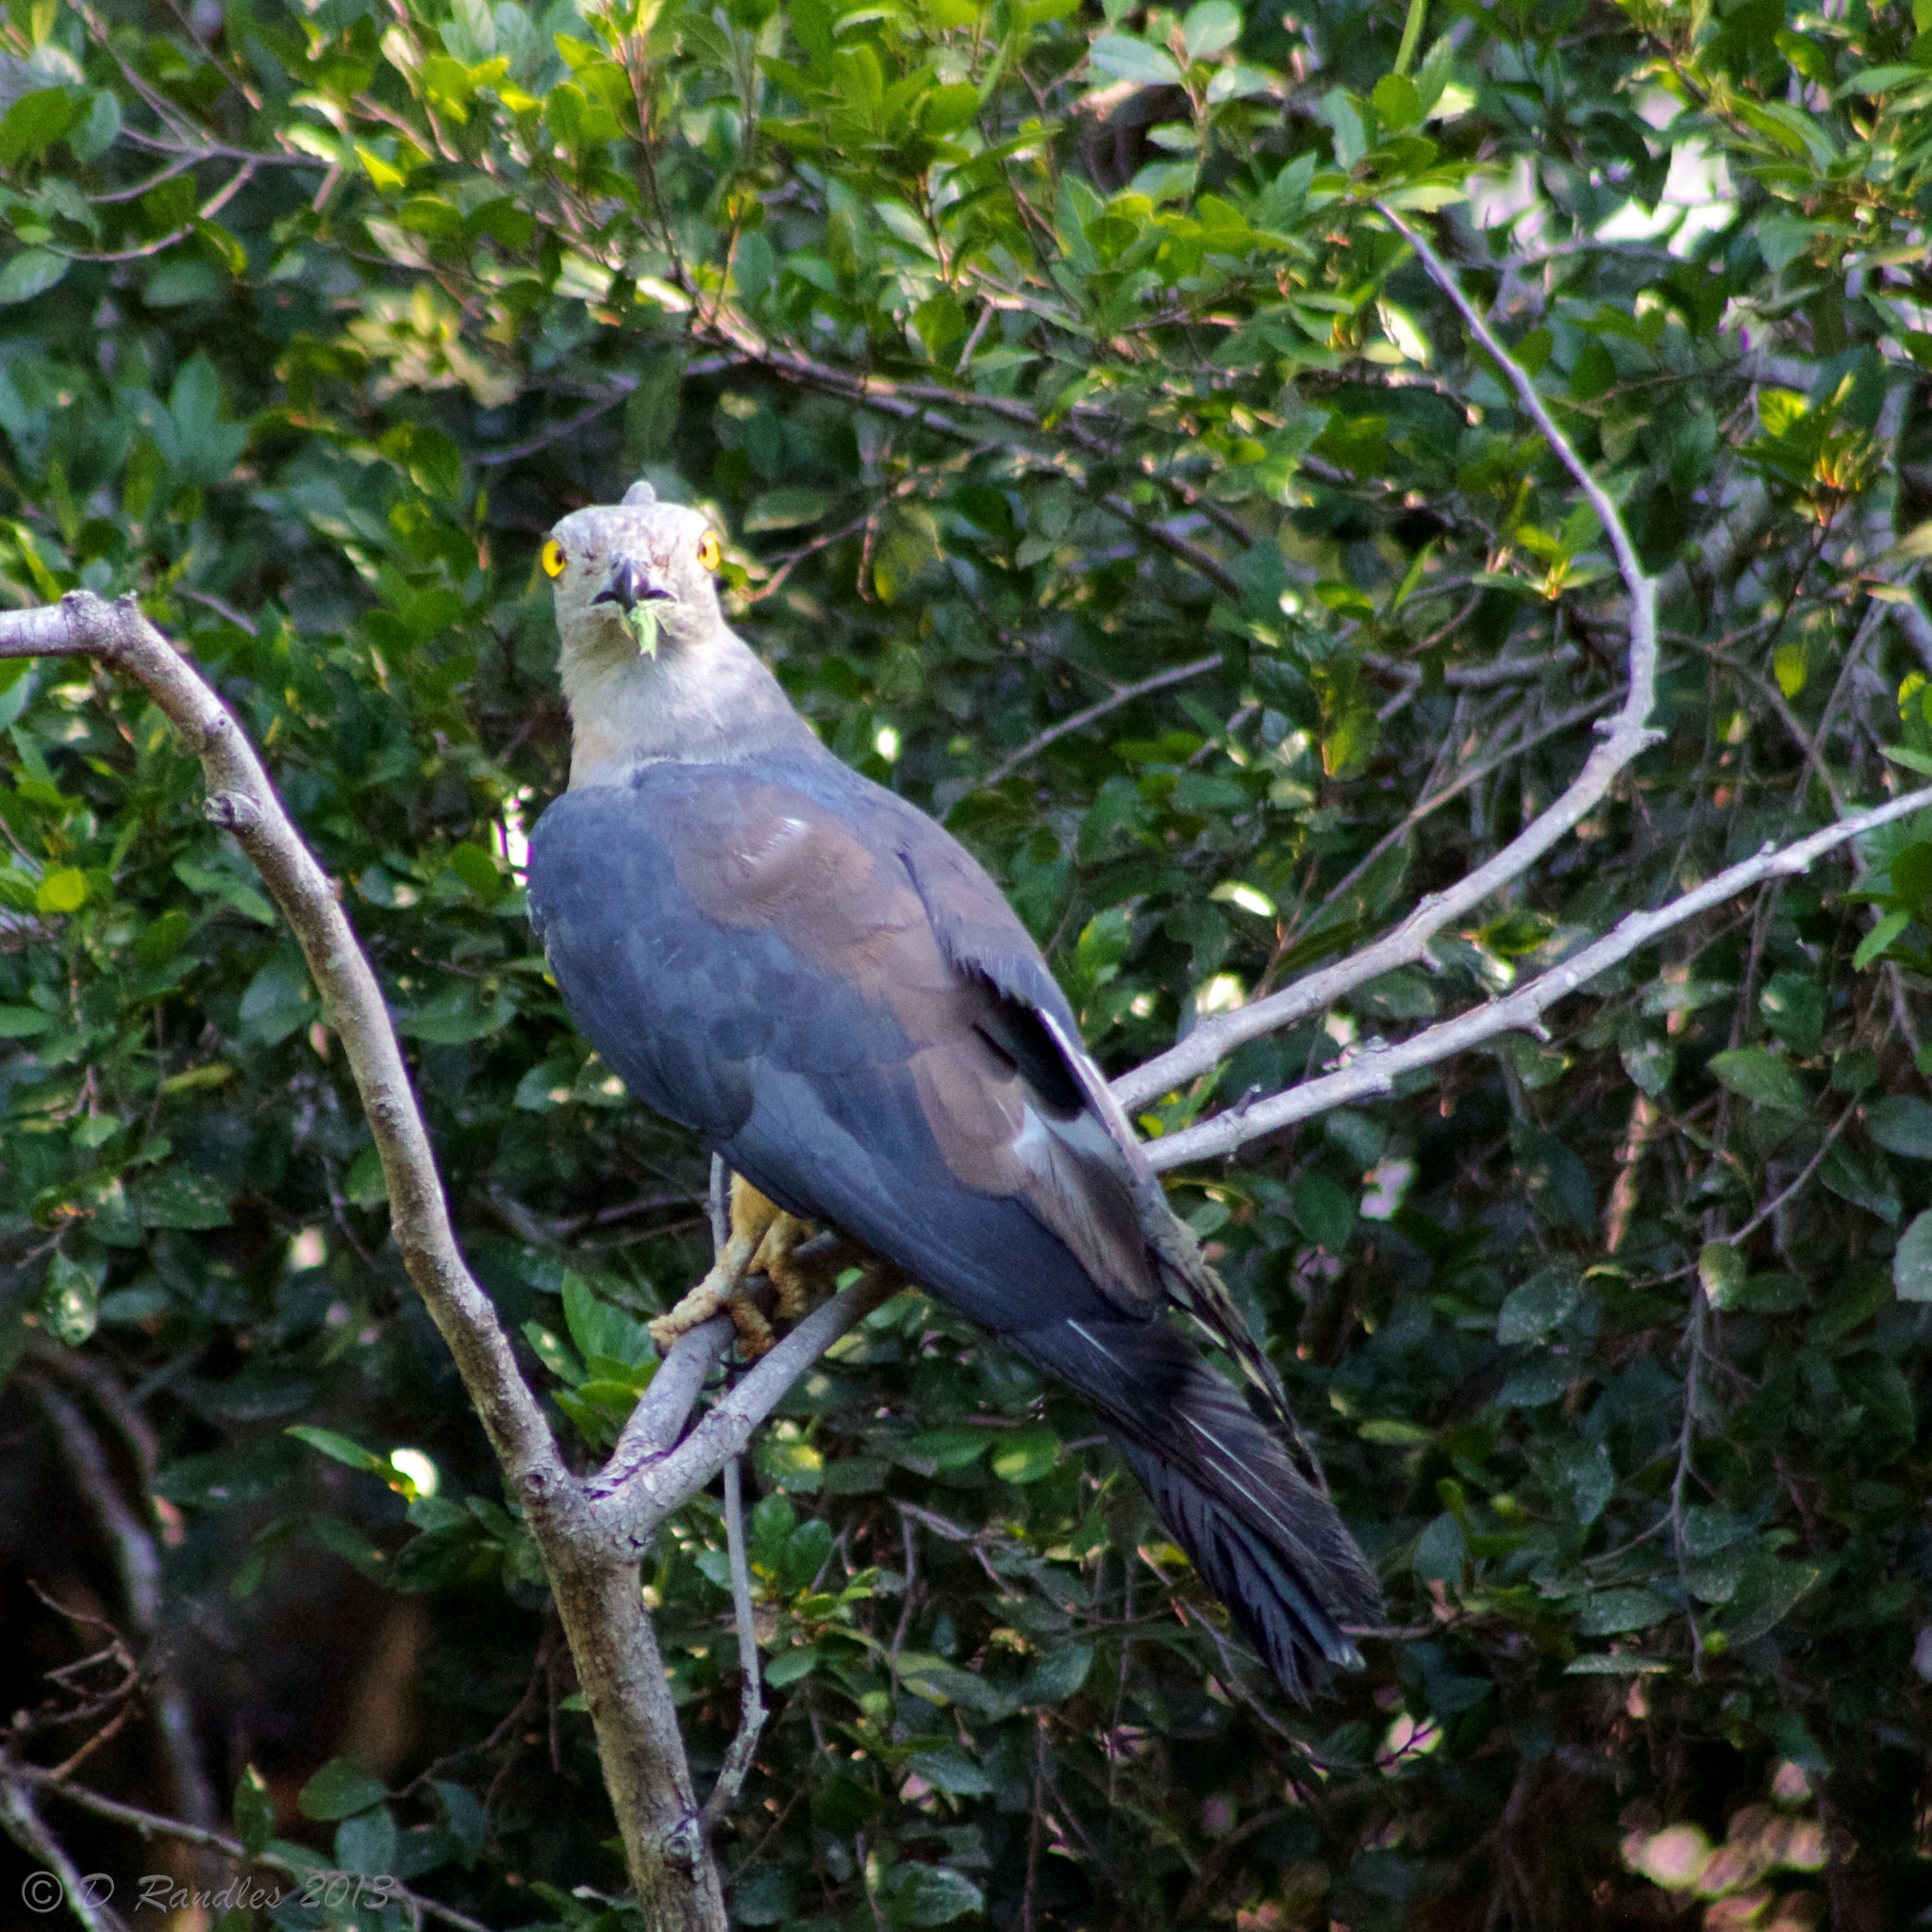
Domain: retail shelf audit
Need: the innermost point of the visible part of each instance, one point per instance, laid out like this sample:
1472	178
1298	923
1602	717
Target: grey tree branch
659	1419
751	1721
594	1585
23	1823
242	800
1214	1039
1373	1071
629	1514
17	1780
140	1565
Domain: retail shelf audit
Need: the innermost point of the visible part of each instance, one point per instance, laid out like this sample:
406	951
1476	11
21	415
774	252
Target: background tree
1101	466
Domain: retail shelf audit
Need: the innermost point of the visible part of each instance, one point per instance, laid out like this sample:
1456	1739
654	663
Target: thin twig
751	1718
659	1419
1214	1039
13	1777
1180	674
79	1891
1374	1071
630	1510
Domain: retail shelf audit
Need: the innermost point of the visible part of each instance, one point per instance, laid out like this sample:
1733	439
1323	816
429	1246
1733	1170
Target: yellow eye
709	553
554	558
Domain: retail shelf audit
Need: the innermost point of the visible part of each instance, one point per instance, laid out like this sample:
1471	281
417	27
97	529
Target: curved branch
1180	674
594	1587
630	1513
16	1779
243	801
1374	1071
1214	1039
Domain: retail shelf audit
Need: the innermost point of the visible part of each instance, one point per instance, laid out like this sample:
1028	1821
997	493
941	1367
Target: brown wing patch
781	862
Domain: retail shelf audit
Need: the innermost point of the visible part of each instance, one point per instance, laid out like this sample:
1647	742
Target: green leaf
341	1789
910	1894
1762	1078
1918	761
339	1449
1592	1480
1911	1261
786	509
1127	59
24	1023
1902	1123
278	1000
1396	103
553	1354
457	1015
69	1301
254	1812
1793	1007
35	122
1881	936
1858	1178
934	1450
1211	27
1721	1272
950	1770
1323	1210
30	273
1057	1674
1025	1456
1767	1596
1546	1299
788	1666
1558	1182
1881	80
176	1198
1441	1551
1611	1612
62	890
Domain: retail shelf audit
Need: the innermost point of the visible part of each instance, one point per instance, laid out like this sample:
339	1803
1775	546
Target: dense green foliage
1023	355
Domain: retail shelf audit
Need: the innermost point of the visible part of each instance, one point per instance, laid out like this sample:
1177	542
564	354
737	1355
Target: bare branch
1374	1071
1180	674
1214	1039
242	800
751	1721
16	1779
23	1825
659	1419
140	1565
630	1514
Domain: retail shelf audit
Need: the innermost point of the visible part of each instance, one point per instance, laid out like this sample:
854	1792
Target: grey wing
982	936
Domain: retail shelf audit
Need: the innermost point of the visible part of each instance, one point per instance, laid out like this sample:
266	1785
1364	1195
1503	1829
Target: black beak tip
629	586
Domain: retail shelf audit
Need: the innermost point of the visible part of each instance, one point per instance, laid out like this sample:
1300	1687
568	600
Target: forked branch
1214	1039
243	801
1374	1071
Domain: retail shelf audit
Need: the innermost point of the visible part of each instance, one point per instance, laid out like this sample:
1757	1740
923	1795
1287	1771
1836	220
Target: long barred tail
1242	1497
1268	1544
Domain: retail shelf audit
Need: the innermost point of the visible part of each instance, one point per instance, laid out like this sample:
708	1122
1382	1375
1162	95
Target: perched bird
824	983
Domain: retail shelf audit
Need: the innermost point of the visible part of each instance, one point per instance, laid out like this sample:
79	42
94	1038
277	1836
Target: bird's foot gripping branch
761	1239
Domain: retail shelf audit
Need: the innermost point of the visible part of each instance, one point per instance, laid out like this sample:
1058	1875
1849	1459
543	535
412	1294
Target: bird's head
634	575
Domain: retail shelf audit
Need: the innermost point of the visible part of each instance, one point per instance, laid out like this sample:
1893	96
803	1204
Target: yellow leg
762	1239
795	1281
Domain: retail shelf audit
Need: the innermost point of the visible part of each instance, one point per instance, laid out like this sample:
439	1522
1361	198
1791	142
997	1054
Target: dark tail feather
1268	1544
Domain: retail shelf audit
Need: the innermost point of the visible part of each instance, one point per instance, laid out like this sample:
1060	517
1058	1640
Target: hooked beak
628	585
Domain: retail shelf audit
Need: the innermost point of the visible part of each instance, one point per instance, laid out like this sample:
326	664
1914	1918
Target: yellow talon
762	1239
